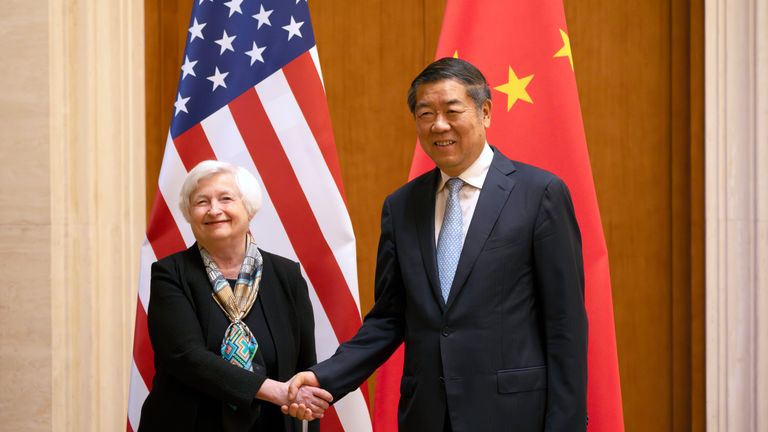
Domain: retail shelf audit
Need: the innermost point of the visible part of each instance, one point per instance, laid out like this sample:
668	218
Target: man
479	272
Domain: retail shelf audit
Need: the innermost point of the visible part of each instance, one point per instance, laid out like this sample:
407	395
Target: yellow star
515	89
456	54
565	51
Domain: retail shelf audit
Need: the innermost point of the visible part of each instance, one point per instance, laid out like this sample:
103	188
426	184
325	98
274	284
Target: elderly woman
228	322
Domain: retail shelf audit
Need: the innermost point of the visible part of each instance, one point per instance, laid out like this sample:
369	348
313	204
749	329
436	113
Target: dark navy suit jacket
508	352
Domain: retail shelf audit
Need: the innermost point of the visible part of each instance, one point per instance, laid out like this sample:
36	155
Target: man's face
451	129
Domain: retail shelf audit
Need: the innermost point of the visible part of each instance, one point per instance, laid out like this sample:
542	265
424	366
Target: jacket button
446	331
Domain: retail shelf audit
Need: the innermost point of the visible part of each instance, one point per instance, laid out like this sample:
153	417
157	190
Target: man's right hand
296	388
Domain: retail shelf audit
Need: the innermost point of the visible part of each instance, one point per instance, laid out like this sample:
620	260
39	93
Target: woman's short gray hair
250	190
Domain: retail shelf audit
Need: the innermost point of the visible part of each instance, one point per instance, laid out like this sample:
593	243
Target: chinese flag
523	49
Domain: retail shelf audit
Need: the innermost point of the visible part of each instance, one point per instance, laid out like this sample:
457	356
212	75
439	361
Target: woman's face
217	210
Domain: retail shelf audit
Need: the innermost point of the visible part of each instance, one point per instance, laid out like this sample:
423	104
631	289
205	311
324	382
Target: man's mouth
444	143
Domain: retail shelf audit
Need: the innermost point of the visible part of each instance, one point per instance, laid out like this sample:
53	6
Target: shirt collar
475	174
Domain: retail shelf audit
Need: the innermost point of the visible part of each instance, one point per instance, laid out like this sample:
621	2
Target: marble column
736	153
71	210
96	69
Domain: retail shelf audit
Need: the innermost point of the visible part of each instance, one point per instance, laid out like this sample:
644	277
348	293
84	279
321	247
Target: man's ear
486	112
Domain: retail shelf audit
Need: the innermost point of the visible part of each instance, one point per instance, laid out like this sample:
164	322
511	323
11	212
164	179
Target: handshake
307	400
301	397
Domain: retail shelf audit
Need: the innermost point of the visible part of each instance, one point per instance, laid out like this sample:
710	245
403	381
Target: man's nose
441	124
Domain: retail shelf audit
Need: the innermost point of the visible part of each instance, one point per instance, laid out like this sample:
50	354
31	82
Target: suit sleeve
559	272
179	345
382	330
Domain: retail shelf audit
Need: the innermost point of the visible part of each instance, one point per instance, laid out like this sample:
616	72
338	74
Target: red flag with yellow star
522	48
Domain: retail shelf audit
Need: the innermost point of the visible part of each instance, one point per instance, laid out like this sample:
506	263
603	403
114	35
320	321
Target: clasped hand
298	398
306	400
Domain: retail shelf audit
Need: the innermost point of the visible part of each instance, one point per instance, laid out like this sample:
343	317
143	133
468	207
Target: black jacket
193	387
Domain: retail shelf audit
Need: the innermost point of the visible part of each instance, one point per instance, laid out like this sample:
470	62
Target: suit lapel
424	204
496	188
212	319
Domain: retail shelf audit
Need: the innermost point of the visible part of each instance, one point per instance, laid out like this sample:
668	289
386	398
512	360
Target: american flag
251	93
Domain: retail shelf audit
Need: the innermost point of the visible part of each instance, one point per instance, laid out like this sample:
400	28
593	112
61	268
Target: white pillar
736	154
97	142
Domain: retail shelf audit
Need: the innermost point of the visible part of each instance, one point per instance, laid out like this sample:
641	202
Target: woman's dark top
270	418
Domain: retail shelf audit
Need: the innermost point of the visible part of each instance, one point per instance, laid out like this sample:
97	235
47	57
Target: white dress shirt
473	177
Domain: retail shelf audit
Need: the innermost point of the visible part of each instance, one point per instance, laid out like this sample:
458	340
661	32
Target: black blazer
508	352
194	388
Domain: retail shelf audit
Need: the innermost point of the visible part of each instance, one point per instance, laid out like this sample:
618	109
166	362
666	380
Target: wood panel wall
639	68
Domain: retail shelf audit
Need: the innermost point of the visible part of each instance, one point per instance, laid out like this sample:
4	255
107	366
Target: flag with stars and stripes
251	93
523	49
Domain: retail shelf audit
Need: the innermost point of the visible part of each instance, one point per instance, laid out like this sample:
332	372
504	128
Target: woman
228	321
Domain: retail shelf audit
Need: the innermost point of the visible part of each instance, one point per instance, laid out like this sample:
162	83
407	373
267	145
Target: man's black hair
456	69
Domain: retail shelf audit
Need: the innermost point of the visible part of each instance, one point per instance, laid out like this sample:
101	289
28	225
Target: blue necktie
451	237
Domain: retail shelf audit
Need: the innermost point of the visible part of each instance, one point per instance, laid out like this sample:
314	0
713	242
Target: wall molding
96	79
736	153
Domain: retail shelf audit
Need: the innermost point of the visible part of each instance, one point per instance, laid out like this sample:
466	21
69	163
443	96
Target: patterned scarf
239	345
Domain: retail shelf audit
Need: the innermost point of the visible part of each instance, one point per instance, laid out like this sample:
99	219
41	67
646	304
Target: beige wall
71	210
25	230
